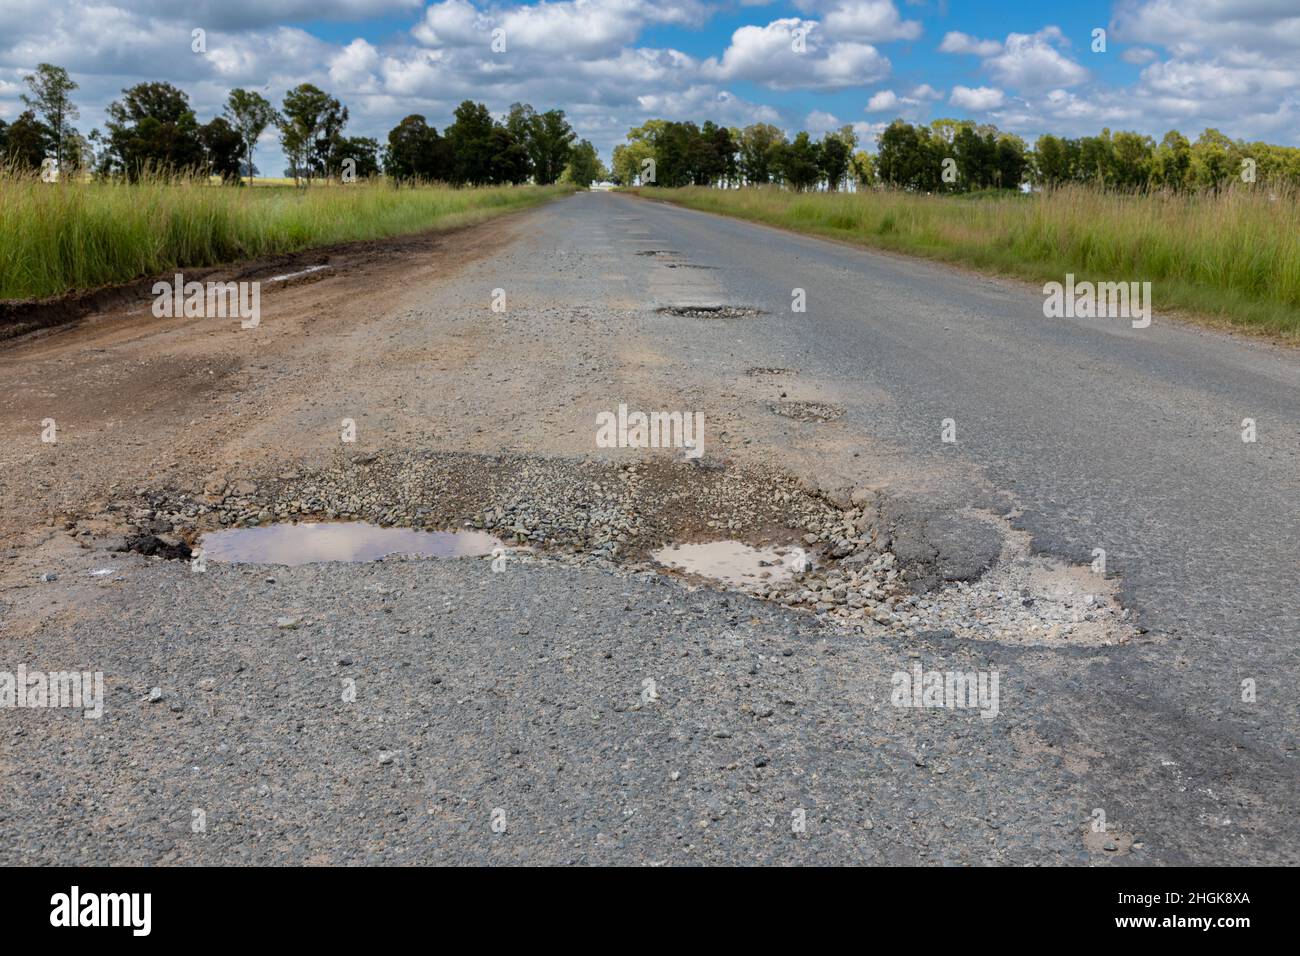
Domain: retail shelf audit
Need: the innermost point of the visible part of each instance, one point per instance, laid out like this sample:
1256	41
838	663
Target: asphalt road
524	692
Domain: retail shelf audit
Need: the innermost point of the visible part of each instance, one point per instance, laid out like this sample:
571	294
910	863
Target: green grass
58	237
1230	259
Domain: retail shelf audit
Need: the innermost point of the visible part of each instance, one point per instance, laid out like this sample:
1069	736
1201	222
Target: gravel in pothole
710	311
808	411
617	515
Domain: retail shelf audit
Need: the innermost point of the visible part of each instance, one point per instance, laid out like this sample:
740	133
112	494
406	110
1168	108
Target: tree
1011	161
223	149
1214	159
469	138
310	125
834	157
361	151
1173	161
800	162
1097	159
676	153
51	97
905	159
717	156
1052	161
547	138
864	170
508	161
26	141
759	146
585	166
250	114
153	127
630	159
416	152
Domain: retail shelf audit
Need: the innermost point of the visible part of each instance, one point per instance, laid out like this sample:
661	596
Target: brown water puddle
309	543
733	563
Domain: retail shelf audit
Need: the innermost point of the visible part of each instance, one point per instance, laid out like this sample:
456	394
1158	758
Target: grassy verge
59	237
1233	258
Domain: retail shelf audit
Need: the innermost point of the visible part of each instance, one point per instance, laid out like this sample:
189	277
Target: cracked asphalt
438	711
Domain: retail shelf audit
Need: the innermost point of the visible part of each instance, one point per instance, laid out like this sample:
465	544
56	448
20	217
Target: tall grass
1234	256
56	237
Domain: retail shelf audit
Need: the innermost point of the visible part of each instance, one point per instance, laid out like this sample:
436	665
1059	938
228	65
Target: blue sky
611	64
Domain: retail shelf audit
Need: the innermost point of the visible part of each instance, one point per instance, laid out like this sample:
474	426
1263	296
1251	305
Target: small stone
287	623
155	695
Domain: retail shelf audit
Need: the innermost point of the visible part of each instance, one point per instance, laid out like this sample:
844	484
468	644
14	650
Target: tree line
946	155
152	128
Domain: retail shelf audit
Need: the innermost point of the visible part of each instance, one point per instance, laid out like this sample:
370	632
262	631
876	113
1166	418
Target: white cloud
1208	26
977	100
956	42
1031	61
452	22
819	121
353	66
1139	55
770	55
882	102
875	21
566	27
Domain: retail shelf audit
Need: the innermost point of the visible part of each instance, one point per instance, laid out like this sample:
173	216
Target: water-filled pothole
310	543
733	563
710	311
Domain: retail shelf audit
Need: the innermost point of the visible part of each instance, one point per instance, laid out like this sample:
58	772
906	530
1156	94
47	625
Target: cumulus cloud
794	53
1032	61
563	28
1269	27
1233	64
882	102
977	100
819	122
1139	55
875	21
956	42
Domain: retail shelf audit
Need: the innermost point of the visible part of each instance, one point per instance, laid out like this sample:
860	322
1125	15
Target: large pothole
760	532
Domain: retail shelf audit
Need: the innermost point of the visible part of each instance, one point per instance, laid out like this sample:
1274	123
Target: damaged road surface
936	580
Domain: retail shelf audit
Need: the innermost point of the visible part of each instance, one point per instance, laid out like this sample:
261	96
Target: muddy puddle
733	563
310	543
